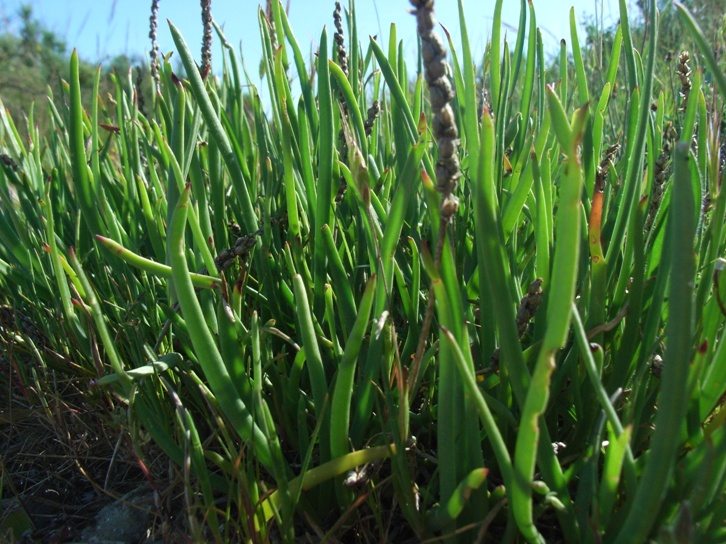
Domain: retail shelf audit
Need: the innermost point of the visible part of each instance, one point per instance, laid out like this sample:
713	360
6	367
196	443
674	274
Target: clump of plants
456	302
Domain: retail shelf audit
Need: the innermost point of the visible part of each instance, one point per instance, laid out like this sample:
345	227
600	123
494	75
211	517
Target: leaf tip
446	31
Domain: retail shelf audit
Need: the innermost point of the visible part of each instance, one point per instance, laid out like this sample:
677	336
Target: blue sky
101	29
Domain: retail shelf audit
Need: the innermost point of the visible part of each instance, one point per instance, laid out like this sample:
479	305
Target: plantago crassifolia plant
480	301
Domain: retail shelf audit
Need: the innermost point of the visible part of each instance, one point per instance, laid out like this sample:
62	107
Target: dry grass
66	452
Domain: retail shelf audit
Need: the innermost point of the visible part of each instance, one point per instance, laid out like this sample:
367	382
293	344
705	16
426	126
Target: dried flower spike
343	63
245	243
339	39
206	38
684	72
660	174
154	54
528	306
441	93
603	168
373	113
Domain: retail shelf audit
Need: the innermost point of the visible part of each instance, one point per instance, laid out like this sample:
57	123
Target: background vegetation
34	60
264	319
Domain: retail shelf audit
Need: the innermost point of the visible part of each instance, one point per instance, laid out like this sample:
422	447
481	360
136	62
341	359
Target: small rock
126	520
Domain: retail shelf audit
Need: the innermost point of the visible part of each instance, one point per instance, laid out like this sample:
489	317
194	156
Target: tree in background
34	61
30	61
